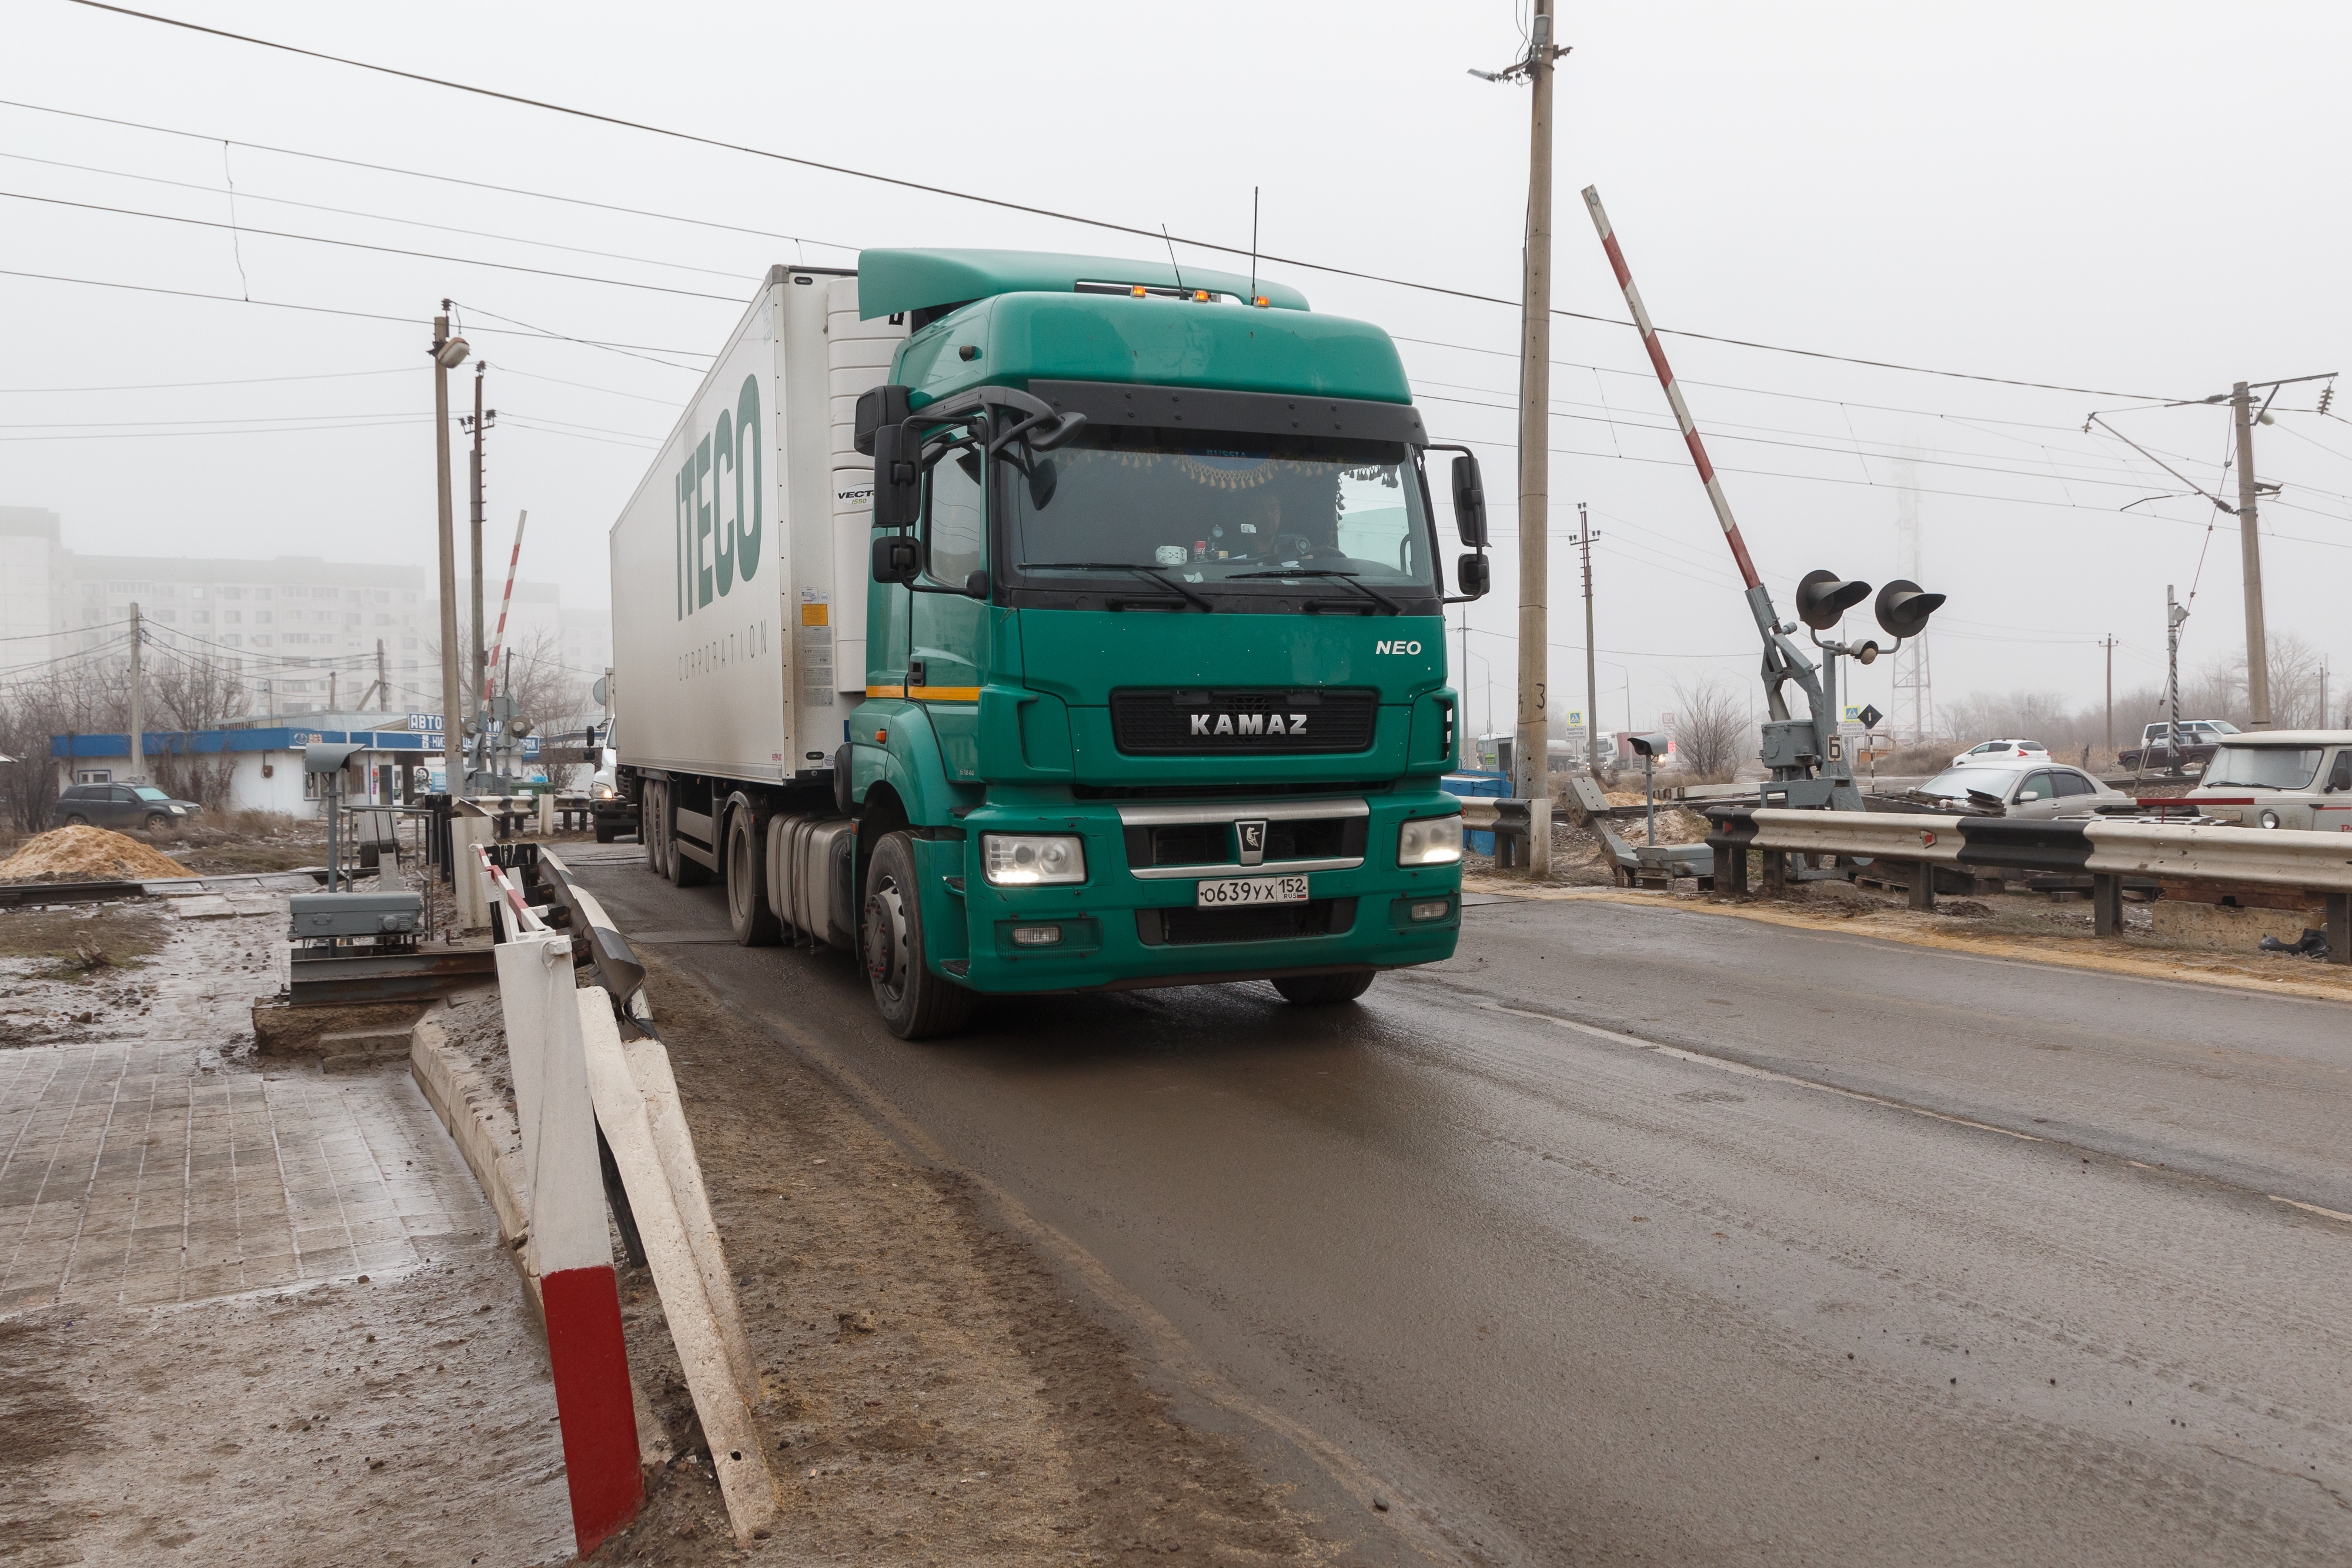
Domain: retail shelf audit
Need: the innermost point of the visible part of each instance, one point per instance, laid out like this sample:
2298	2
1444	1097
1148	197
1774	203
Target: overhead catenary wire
381	217
382	249
635	350
1104	224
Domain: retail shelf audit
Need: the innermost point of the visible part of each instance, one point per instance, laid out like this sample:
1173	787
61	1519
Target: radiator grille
1257	722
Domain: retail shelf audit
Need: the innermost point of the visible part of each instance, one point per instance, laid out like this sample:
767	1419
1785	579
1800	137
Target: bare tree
1712	735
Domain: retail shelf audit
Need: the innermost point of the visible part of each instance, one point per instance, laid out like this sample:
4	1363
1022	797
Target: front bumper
1122	932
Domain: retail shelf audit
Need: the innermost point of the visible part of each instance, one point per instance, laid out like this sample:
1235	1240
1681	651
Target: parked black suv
120	806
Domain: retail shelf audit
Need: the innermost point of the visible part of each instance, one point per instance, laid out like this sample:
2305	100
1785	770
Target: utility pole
1531	748
478	630
447	354
2110	646
2250	546
383	681
1584	537
138	704
332	674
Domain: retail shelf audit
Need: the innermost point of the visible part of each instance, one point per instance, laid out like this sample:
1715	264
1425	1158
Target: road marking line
1744	1069
2311	1207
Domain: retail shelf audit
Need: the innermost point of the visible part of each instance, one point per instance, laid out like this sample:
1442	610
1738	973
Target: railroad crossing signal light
1824	598
1904	608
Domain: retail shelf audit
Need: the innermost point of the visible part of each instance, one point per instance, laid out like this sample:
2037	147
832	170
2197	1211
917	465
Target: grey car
120	806
2025	789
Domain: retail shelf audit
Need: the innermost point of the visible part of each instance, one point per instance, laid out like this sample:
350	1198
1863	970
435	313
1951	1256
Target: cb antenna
1171	259
1254	247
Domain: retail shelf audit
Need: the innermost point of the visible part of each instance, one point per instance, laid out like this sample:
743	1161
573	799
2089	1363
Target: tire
649	816
1320	990
605	833
748	914
915	1004
77	820
157	821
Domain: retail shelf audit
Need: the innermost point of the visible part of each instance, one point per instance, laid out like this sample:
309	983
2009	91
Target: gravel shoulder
933	1392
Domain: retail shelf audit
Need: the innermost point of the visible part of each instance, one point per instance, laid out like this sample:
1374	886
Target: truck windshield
1204	507
2262	767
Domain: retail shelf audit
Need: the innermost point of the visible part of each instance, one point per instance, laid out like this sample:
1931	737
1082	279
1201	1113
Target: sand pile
88	854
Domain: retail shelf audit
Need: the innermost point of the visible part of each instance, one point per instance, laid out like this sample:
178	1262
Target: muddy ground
223	1369
932	1393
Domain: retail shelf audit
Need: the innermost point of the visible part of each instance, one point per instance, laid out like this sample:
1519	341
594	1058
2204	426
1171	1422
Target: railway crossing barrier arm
2105	850
617	968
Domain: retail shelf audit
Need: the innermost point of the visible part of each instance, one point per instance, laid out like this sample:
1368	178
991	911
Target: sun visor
892	281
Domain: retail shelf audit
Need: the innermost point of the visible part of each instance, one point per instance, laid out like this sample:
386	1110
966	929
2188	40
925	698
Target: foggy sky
2142	200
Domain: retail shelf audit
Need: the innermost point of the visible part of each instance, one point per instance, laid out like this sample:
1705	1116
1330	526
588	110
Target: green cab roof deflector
889	281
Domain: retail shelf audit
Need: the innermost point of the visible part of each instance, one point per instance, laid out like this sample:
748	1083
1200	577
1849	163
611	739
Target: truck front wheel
1309	990
914	1003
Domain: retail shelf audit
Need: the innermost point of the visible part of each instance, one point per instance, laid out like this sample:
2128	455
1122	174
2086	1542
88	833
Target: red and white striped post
1682	412
571	1251
499	646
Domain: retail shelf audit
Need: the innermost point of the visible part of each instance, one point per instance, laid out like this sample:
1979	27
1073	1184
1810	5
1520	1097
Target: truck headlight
1029	860
1430	841
604	791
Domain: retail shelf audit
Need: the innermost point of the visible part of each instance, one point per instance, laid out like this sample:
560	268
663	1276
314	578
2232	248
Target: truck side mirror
1471	573
897	559
1469	504
898	476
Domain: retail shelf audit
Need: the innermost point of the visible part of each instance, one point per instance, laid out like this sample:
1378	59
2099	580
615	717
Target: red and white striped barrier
570	1249
1714	495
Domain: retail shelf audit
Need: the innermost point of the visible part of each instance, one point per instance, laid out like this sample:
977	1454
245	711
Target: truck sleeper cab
1154	670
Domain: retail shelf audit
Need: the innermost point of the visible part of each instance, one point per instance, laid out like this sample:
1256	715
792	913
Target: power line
243	382
253	419
1048	212
1872	485
273	430
423	174
381	249
376	217
358	315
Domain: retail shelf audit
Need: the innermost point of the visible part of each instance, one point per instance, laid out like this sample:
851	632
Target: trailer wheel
914	1003
649	819
747	914
1315	990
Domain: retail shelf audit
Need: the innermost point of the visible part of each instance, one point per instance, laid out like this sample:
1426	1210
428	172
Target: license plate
1242	889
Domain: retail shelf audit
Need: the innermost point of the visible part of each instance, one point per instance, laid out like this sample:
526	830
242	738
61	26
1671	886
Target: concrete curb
485	1132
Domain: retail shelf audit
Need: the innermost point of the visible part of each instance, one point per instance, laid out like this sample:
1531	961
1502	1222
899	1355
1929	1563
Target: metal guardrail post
2339	927
1923	884
2106	904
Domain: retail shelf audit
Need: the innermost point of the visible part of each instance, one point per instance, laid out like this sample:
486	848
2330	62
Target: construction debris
88	854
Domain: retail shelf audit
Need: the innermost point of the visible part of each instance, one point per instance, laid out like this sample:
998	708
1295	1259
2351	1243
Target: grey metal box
1788	743
356	913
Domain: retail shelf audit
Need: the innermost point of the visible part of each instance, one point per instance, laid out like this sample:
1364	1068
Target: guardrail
2105	850
601	1123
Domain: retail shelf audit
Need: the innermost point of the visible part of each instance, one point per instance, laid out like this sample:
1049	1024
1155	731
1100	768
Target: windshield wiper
1153	573
1377	597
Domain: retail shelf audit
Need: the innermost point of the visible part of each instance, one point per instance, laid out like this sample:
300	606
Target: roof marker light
1200	297
1139	291
1262	302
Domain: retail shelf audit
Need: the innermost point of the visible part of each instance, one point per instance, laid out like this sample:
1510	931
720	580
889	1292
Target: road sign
1870	717
425	724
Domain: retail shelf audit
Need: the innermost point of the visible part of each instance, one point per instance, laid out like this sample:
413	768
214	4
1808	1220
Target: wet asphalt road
1644	1235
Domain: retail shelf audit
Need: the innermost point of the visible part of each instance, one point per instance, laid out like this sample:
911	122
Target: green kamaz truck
1049	623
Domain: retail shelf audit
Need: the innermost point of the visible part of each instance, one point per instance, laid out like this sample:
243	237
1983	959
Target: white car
2003	751
2020	790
